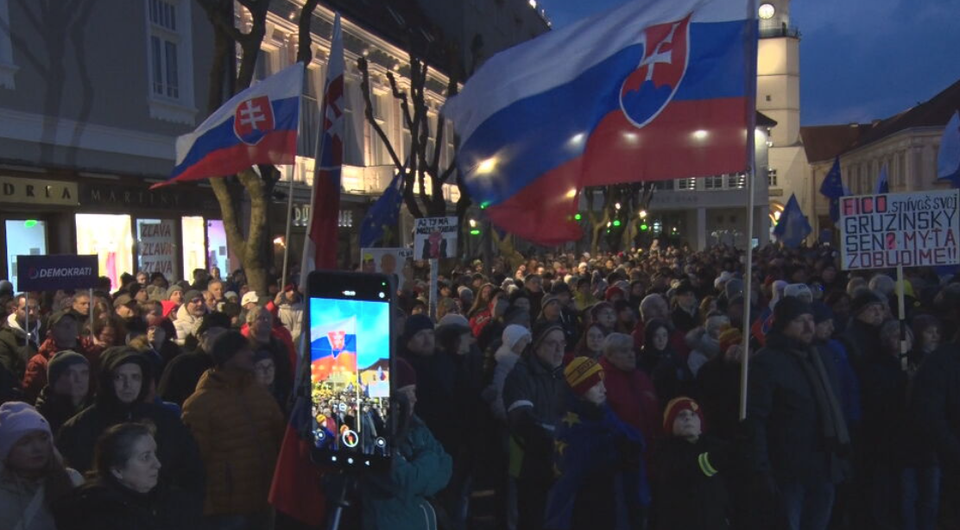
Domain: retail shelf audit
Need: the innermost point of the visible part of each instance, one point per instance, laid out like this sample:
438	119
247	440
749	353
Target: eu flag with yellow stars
383	214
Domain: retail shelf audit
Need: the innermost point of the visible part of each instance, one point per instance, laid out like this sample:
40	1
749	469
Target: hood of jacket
18	330
110	360
699	340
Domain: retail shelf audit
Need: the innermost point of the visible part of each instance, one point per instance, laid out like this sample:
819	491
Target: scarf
831	415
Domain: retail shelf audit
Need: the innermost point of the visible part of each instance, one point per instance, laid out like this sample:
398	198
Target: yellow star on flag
571	419
561	447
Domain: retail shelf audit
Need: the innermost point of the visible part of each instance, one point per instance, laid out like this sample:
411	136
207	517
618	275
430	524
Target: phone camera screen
350	378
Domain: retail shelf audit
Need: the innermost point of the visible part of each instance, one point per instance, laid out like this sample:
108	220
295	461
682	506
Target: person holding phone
420	468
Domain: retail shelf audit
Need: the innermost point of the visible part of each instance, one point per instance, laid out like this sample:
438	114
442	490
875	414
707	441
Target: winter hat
733	288
213	320
262	355
611	292
122	300
599	306
675	407
60	362
729	337
414	325
547	300
191	295
6	287
17	419
788	309
540	330
582	374
463	289
513	333
723	278
226	346
821	312
173	288
230	295
798	290
250	297
454	319
406	375
864	299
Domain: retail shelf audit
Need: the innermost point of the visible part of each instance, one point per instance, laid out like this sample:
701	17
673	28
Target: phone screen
350	344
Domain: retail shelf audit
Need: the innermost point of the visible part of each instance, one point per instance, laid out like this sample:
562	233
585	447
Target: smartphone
351	341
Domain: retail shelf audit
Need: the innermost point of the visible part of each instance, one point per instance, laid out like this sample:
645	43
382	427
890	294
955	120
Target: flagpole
752	47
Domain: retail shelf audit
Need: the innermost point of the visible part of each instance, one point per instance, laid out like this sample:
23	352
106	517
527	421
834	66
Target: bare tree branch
304	40
371	119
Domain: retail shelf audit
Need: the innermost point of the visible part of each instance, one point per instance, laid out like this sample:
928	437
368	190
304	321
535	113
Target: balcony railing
782	31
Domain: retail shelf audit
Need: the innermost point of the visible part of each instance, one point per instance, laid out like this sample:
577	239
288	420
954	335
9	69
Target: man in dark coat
862	336
15	348
795	425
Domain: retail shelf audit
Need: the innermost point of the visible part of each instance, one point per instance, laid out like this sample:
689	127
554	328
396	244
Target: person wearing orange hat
600	476
691	492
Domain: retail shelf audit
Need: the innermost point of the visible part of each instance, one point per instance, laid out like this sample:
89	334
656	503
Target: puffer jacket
398	500
238	426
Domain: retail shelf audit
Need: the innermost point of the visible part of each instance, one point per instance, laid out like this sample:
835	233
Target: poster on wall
157	247
900	229
389	261
435	237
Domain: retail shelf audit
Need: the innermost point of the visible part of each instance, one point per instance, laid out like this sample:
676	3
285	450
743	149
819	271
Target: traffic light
475	232
616	222
578	217
644	227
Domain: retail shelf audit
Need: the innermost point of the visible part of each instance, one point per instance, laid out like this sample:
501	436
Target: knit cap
454	319
582	374
675	407
864	300
821	312
18	419
513	333
173	288
416	324
60	362
788	309
729	337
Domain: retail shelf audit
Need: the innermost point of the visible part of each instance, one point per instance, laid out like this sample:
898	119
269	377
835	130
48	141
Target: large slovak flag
256	126
650	90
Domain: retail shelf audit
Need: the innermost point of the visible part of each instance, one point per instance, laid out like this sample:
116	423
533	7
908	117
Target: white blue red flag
320	250
334	349
651	90
256	126
948	158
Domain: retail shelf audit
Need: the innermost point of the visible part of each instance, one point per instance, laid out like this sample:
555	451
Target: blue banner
59	271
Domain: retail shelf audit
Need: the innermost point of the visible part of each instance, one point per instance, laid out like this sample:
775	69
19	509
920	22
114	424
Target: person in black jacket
128	491
862	335
123	387
68	389
690	492
182	374
796	432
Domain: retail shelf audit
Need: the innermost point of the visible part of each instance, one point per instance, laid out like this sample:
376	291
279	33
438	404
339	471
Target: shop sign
192	199
58	271
301	216
36	191
156	244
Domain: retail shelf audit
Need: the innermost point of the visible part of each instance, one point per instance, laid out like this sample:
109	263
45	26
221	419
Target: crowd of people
551	392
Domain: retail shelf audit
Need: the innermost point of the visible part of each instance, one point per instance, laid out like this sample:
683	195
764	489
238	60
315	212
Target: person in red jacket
630	392
63	334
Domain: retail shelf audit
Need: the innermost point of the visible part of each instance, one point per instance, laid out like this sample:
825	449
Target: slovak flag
256	126
334	349
650	90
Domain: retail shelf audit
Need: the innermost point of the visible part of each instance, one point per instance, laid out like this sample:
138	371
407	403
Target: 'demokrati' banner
900	229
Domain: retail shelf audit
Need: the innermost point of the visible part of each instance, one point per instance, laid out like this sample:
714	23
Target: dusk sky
859	59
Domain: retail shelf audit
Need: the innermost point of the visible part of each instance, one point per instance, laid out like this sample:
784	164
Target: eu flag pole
832	188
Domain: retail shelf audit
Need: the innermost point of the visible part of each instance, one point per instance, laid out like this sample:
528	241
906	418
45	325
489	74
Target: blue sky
859	59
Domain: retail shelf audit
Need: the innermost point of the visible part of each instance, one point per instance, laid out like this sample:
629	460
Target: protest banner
435	237
899	230
157	248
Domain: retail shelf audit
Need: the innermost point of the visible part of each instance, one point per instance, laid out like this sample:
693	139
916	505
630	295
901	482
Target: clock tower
778	96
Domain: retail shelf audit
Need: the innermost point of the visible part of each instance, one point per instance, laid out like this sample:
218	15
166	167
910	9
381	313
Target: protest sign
389	261
157	247
899	230
435	237
63	271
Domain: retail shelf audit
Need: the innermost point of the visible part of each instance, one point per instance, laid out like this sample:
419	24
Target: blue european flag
883	184
948	160
832	187
383	214
793	227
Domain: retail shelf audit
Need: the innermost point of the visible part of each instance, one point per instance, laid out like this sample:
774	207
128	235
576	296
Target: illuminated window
110	237
772	177
25	237
194	246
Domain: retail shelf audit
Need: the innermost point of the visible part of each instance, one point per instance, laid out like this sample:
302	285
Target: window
713	183
736	181
7	67
170	60
771	177
25	237
686	184
110	237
